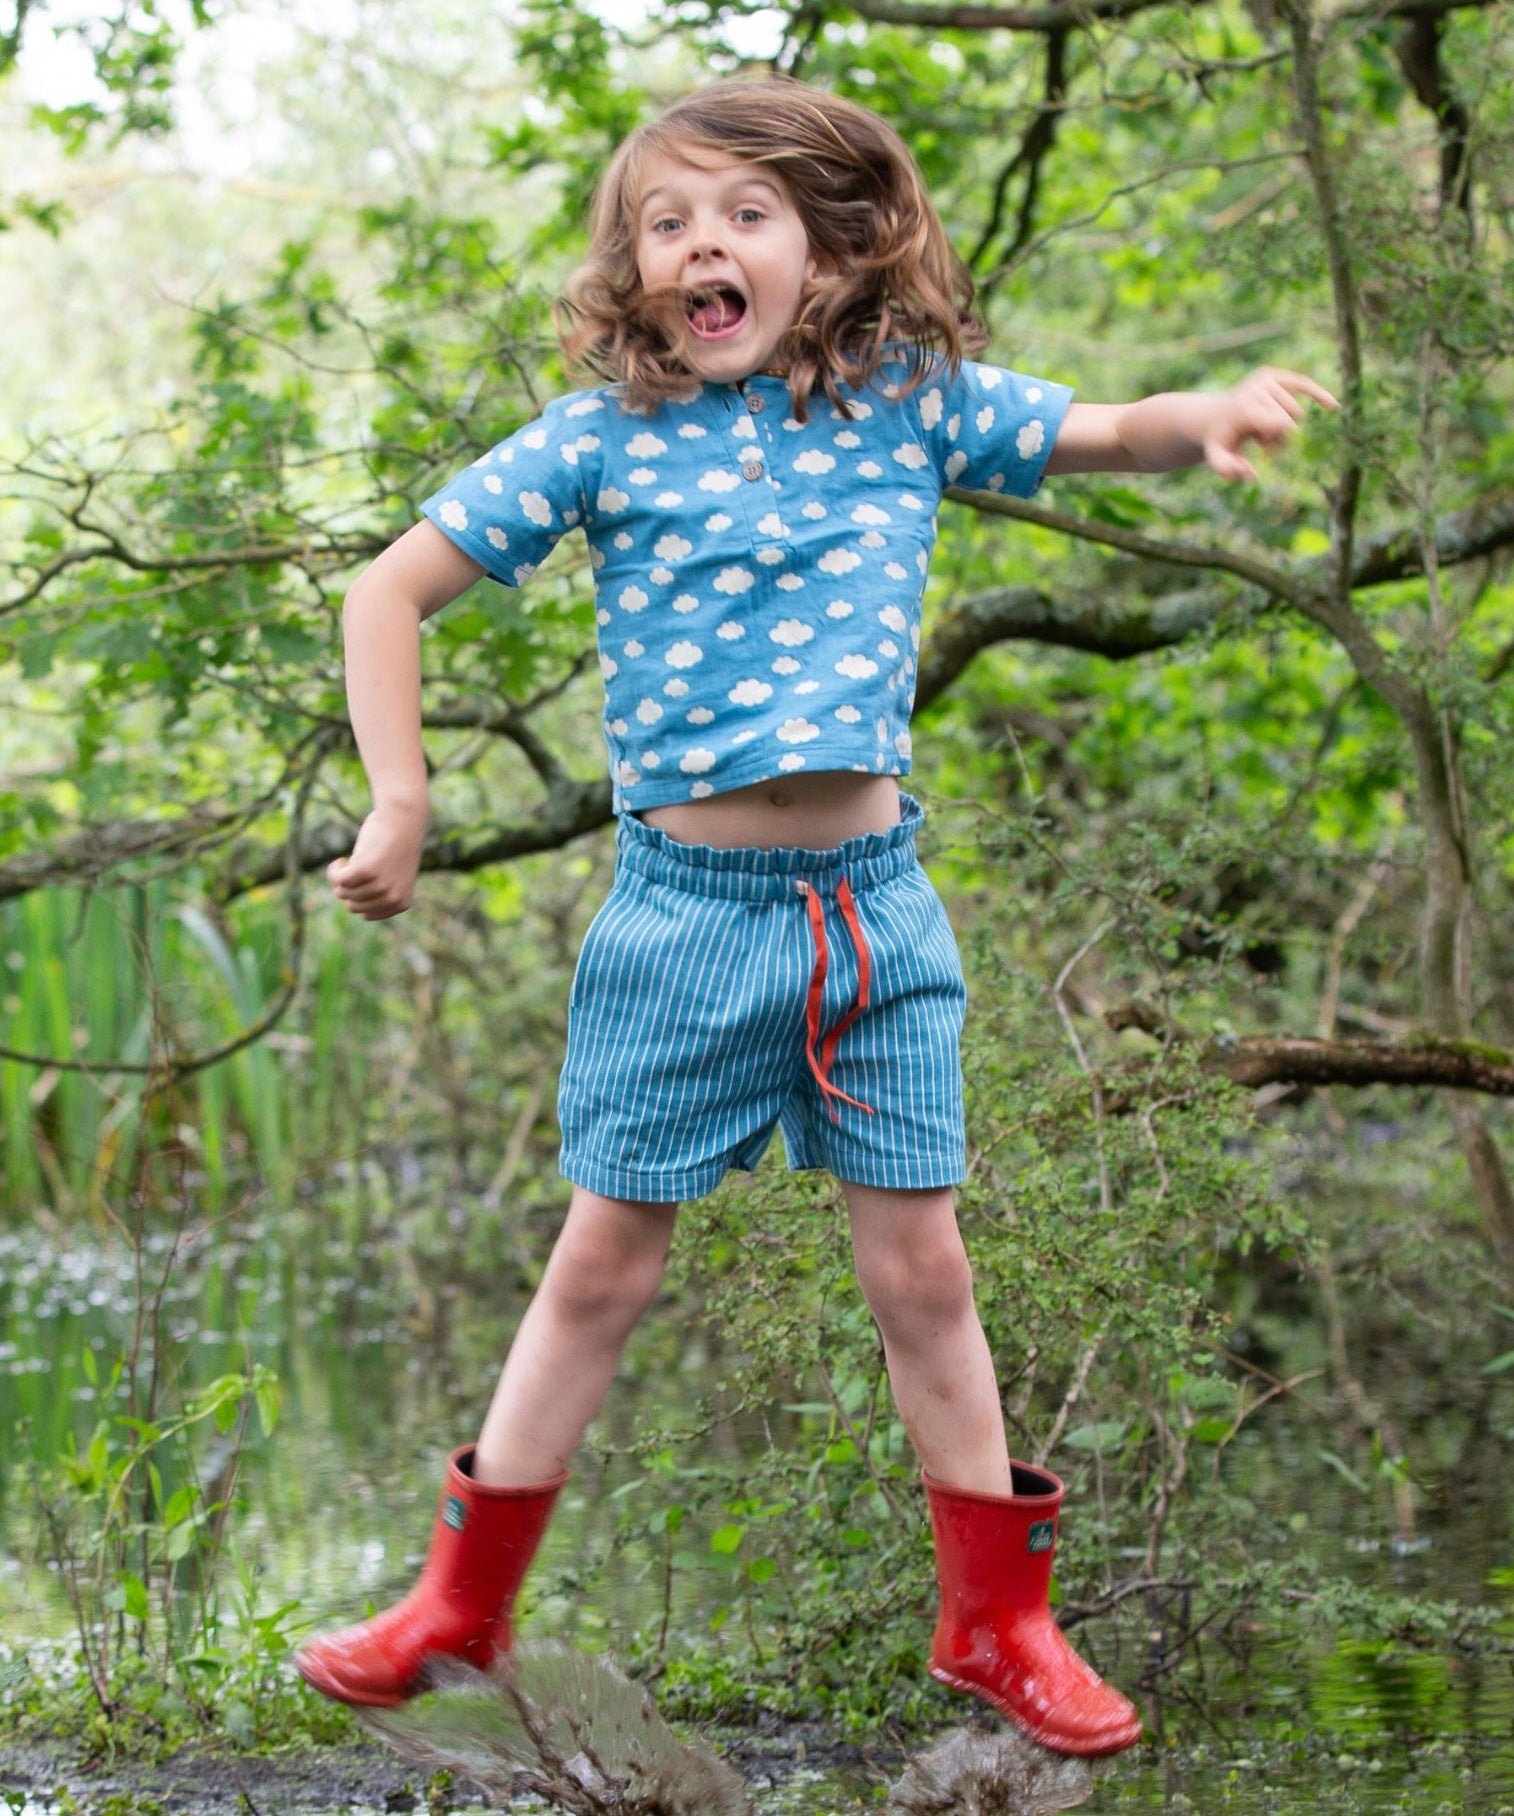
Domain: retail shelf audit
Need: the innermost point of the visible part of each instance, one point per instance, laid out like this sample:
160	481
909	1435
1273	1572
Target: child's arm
381	619
1182	428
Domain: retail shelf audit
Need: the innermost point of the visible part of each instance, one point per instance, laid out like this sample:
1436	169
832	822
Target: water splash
971	1773
553	1723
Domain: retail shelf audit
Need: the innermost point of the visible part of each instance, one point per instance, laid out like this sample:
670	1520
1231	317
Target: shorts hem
920	1175
645	1188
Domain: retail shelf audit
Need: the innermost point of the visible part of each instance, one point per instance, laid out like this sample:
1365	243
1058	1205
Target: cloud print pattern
757	580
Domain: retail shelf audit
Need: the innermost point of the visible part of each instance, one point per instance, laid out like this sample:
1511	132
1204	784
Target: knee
919	1286
598	1278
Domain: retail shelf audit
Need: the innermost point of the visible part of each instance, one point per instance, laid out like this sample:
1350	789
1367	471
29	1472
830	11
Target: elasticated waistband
749	874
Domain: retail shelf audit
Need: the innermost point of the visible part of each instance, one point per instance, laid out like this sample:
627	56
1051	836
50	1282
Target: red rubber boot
996	1638
483	1542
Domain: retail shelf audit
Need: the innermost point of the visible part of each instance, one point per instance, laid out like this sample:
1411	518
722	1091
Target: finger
1302	385
1227	463
1281	398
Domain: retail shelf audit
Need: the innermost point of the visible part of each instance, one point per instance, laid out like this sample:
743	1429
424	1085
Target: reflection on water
388	1360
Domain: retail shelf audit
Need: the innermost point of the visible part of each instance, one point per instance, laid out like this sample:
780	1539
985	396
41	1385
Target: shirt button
752	470
756	402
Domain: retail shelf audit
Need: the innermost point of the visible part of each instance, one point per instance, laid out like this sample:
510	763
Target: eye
666	220
749	211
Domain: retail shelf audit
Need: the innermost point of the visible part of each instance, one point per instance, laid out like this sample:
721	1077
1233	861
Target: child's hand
1263	408
378	880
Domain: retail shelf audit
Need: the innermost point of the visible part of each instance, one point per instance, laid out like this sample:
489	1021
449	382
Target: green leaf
724	1540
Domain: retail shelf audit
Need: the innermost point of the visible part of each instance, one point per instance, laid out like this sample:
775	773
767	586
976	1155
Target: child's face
727	229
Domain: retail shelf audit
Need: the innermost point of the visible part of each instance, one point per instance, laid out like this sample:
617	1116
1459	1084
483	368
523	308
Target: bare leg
915	1276
604	1272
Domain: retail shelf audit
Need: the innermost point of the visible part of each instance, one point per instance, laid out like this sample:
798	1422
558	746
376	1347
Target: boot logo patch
1042	1533
454	1513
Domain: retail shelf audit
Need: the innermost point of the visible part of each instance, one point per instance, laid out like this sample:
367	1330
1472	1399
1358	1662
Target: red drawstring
820	1064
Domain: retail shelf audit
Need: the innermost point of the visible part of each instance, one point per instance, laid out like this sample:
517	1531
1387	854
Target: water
387	1361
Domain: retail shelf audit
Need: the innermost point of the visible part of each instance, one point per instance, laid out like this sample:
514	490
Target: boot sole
336	1691
1094	1747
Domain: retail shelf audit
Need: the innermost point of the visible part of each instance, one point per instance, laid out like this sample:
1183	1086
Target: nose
706	245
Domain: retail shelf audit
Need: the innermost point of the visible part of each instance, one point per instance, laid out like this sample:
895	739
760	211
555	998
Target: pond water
387	1362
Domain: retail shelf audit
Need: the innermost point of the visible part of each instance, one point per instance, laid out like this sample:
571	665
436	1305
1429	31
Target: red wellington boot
483	1542
996	1638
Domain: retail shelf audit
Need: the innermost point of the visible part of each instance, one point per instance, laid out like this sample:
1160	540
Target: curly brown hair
887	273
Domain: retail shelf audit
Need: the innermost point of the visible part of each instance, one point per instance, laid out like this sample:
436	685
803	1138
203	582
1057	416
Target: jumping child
785	331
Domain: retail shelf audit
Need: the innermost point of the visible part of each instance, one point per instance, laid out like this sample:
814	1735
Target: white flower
734	580
645	446
1031	439
611	499
856	667
695	762
750	693
791	632
814	460
672	548
685	655
453	514
796	731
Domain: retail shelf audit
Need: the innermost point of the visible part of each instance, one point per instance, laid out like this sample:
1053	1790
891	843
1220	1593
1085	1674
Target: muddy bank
366	1776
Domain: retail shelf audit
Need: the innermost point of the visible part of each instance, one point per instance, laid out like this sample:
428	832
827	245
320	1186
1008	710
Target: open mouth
715	311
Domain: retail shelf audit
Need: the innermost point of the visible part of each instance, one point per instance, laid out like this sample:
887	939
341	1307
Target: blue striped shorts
723	993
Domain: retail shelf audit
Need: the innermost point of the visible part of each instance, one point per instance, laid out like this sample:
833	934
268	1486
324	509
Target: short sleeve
512	507
989	429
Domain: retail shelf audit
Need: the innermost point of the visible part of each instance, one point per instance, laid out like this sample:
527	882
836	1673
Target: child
782	320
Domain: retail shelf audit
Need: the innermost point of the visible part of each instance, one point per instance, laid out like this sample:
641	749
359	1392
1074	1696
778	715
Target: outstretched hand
378	880
1263	408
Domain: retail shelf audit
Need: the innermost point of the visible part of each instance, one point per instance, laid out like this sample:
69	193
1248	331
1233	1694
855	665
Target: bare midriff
812	811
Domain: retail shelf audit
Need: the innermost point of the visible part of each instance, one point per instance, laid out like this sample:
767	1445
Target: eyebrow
746	182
